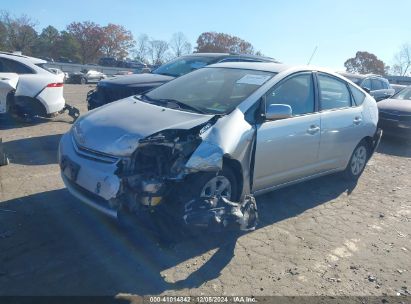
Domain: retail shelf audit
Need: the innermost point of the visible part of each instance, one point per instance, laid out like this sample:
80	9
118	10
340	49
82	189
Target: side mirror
278	111
368	90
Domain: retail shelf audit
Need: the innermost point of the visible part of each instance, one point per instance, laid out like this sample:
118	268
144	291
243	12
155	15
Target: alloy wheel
219	186
358	161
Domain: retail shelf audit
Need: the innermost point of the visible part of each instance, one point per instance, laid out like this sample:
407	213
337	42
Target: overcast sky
286	30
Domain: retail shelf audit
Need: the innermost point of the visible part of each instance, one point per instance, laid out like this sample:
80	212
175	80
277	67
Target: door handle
357	120
313	129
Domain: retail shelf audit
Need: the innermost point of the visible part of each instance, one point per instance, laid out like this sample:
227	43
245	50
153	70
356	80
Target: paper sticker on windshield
198	65
253	79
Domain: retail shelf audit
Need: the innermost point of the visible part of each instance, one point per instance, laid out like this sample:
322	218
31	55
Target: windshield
404	94
184	65
211	90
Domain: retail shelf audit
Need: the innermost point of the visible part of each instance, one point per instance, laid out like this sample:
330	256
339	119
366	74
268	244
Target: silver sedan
229	130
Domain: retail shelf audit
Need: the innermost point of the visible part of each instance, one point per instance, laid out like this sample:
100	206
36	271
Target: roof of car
360	76
259	66
222	55
22	58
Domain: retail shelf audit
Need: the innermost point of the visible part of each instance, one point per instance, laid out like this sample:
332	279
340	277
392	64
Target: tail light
55	85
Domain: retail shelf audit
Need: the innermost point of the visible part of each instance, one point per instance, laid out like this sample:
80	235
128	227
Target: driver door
287	149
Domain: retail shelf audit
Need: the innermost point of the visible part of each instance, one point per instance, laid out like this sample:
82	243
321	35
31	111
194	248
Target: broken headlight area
158	163
218	214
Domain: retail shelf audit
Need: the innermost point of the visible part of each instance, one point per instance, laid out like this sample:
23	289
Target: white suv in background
28	88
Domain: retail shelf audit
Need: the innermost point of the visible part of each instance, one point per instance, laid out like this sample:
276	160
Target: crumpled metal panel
207	157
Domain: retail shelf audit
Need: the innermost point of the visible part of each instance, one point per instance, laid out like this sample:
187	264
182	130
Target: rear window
184	65
376	84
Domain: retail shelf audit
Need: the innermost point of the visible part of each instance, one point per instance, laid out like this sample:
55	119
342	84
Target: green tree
3	37
47	43
365	63
210	42
68	47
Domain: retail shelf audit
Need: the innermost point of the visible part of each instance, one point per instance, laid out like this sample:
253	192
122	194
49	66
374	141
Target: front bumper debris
218	214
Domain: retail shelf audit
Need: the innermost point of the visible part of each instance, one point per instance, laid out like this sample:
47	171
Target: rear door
341	122
287	149
8	83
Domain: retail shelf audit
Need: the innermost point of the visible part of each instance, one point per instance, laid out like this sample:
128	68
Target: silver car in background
228	129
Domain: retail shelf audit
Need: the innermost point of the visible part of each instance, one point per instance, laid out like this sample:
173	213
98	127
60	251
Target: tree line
86	42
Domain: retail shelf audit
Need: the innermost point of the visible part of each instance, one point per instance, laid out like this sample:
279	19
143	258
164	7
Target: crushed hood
116	128
399	105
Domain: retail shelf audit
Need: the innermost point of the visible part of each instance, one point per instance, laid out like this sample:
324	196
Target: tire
358	161
199	184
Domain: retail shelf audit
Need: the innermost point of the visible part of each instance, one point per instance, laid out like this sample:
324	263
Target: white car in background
28	88
59	73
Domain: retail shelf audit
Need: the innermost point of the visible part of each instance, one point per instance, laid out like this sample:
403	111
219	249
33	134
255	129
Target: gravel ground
322	237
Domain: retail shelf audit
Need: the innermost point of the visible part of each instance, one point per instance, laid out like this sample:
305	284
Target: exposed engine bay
157	162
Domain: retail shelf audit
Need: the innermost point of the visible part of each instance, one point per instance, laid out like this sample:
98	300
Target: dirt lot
322	237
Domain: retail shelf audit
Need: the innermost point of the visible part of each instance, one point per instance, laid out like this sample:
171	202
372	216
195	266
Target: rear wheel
357	161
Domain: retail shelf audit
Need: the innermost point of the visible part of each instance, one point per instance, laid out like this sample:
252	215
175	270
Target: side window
12	66
297	92
334	93
358	95
2	69
376	84
366	84
385	85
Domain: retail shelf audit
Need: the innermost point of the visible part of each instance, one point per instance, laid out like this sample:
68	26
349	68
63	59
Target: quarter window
297	92
358	95
334	93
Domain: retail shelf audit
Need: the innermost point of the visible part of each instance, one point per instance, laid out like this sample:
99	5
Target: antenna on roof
312	55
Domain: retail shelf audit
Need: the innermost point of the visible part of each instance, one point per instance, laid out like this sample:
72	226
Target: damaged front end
153	176
156	166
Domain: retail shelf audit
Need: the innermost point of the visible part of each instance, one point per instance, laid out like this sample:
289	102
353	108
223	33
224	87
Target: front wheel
223	184
357	162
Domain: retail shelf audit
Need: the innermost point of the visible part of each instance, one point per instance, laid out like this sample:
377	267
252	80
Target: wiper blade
168	101
183	105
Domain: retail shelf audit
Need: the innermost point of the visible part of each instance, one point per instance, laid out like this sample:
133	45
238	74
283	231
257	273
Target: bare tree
142	47
402	60
157	51
180	45
20	33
